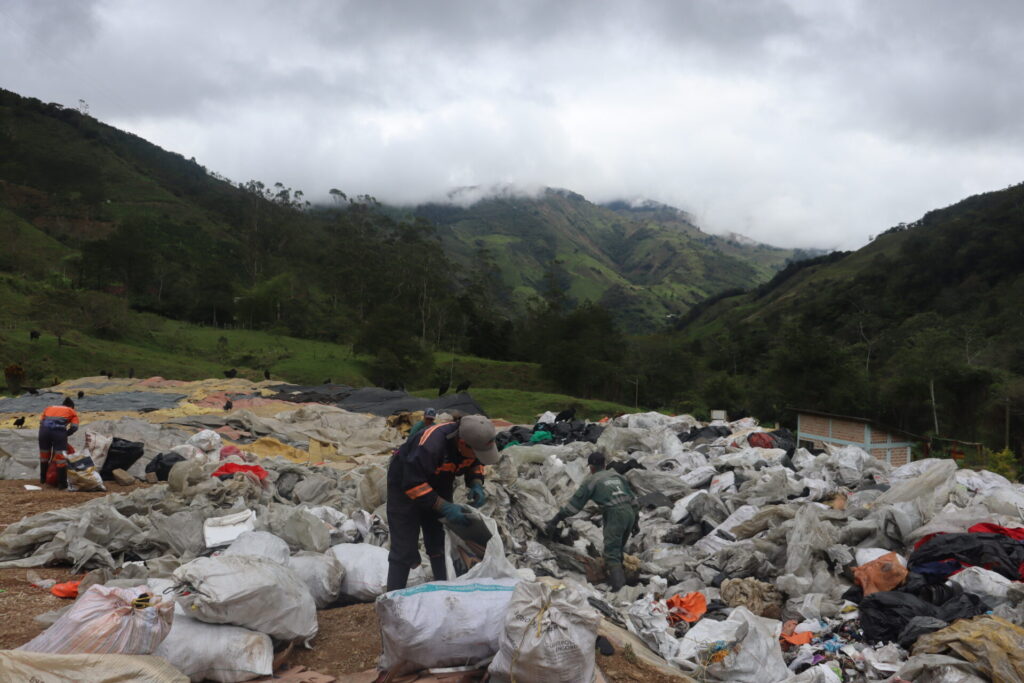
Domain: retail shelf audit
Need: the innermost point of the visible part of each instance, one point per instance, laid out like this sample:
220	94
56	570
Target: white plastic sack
995	589
207	441
103	621
723	482
754	654
366	570
260	544
217	652
680	511
253	592
322	573
440	624
223	530
548	636
96	447
648	619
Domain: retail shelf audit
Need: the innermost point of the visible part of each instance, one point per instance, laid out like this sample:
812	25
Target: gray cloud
794	121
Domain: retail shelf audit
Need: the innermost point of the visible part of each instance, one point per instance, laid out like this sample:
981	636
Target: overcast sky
798	123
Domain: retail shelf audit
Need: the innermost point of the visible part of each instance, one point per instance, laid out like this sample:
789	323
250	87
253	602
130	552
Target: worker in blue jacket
421	481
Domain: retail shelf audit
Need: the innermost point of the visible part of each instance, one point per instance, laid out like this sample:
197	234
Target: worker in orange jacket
421	481
56	424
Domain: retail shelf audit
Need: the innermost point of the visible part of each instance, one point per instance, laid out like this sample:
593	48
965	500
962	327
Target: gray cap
478	433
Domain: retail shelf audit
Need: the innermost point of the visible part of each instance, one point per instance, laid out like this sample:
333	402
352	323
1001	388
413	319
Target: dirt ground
348	640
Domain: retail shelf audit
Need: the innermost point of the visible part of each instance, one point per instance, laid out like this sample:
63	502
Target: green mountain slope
648	264
930	307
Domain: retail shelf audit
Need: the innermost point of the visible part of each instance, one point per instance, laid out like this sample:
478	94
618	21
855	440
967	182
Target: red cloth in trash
689	607
229	468
1016	533
230	450
761	440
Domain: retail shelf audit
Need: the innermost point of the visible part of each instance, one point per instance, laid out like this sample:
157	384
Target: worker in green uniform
620	513
429	415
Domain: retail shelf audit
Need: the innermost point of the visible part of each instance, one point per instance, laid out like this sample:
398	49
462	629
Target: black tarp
124	400
375	400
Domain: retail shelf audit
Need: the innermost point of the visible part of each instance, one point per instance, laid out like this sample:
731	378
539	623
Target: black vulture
231	374
34	392
462	387
20	422
266	374
33	335
443	389
81	393
131	373
567	415
328	381
228	405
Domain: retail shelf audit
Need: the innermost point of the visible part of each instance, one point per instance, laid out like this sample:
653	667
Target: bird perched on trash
34	392
228	405
462	387
266	374
328	381
567	415
20	422
81	393
443	389
230	374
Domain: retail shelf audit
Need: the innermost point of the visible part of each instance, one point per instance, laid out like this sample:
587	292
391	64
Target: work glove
453	513
476	495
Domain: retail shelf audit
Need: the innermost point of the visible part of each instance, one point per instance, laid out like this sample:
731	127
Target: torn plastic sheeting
648	619
681	509
991	587
718	537
223	530
299	528
991	644
939	669
750	645
18	665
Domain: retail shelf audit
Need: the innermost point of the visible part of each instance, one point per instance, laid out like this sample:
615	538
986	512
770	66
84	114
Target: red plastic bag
68	589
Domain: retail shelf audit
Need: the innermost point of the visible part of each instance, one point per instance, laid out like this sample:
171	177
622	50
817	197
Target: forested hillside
935	307
646	262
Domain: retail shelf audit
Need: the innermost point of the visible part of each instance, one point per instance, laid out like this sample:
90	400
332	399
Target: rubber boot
616	577
43	466
437	565
398	576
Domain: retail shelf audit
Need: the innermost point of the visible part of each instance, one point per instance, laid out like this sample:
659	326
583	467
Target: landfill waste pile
754	560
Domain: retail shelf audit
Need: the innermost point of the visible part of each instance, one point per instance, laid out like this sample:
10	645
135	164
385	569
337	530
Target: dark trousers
53	442
405	521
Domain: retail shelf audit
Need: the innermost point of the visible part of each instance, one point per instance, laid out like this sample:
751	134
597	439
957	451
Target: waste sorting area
754	560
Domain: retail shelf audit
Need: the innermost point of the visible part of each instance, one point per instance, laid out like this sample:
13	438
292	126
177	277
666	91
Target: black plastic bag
121	455
161	465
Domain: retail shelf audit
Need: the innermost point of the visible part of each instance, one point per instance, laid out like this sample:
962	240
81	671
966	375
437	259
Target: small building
815	429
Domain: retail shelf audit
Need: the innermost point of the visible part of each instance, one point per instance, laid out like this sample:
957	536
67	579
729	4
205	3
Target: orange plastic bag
689	607
883	574
68	589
